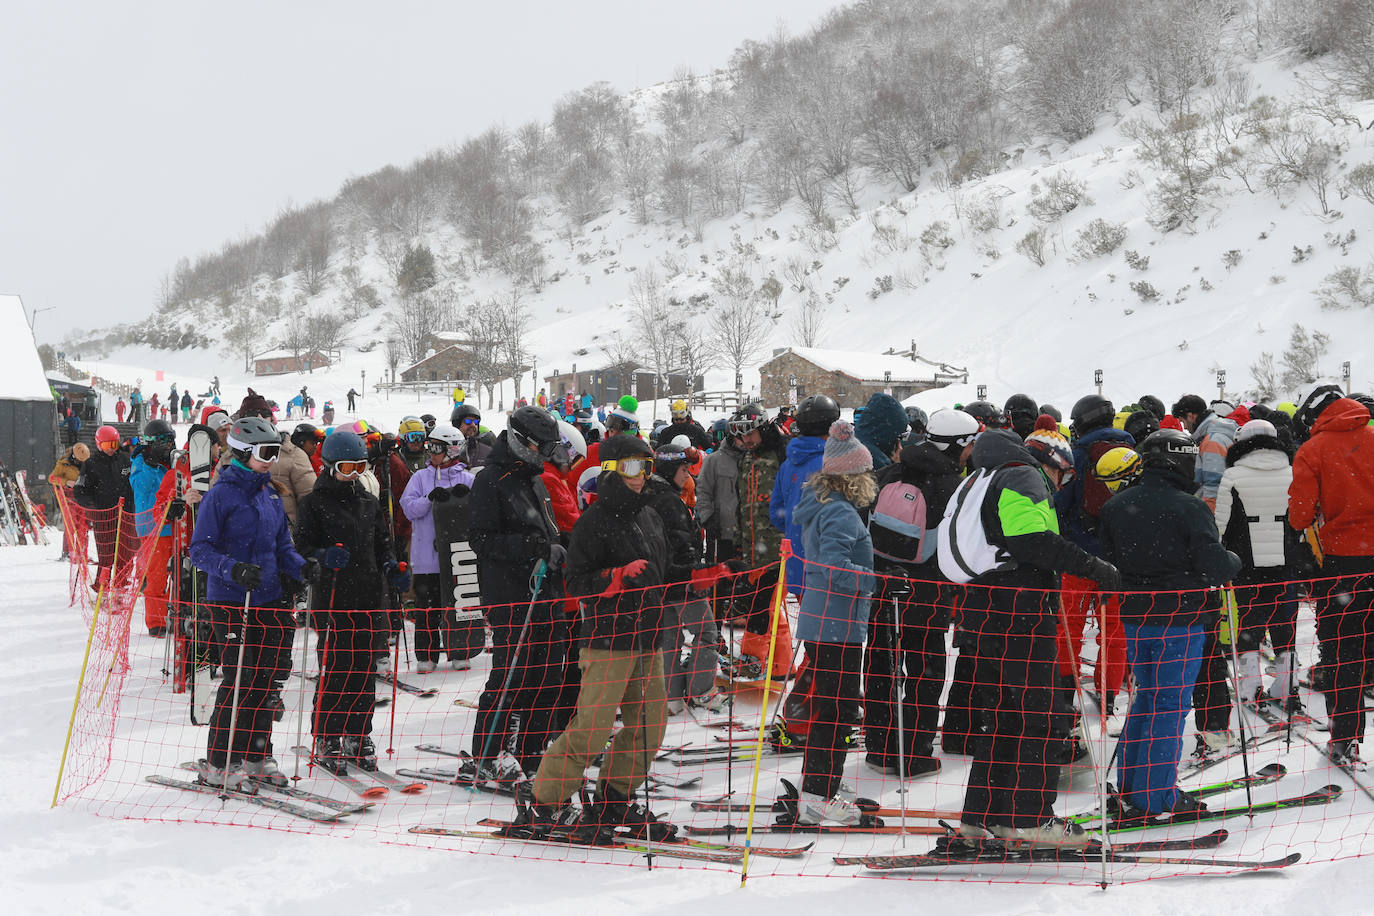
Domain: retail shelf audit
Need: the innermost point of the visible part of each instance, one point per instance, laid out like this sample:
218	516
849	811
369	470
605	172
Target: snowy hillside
1031	276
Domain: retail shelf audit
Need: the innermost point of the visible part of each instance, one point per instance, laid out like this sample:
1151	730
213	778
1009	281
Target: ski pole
234	703
644	677
540	571
1228	597
305	656
395	678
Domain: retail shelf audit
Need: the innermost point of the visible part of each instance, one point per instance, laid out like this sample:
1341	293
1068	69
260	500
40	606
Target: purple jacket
417	507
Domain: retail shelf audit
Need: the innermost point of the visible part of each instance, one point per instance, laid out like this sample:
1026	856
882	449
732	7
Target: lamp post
48	308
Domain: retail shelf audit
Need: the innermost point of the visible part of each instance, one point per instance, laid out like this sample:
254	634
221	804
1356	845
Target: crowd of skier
602	567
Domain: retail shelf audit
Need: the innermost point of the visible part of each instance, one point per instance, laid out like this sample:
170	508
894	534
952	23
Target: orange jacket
1333	475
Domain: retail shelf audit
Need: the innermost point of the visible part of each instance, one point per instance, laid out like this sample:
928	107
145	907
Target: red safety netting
1005	719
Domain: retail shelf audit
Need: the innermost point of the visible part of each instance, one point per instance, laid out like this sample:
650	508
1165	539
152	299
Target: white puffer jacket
1259	480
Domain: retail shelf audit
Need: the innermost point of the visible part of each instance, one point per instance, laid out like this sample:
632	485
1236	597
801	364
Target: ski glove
335	557
620	573
310	570
704	579
536	545
397	578
247	575
439	495
1105	575
176	509
558	556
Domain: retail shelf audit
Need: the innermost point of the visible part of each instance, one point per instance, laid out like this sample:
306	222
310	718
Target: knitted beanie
843	453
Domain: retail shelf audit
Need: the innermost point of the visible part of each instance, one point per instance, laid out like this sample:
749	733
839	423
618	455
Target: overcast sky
138	133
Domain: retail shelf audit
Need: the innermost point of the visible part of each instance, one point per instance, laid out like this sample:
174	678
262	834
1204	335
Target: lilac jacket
417	507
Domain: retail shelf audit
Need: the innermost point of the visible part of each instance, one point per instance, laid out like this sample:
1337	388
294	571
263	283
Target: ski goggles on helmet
437	447
267	452
417	436
350	468
630	467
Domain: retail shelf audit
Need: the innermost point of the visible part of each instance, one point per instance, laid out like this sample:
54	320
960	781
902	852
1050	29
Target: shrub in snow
1062	194
1145	291
1097	238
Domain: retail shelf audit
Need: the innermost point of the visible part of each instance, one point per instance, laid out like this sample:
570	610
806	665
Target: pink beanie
843	453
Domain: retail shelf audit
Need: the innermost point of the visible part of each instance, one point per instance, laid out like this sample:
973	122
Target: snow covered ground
150	856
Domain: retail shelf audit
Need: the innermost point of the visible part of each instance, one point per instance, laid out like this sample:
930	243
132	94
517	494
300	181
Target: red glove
704	579
620	573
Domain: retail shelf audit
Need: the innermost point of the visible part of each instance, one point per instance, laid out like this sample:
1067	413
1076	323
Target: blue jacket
839	574
1069	501
241	520
804	455
145	479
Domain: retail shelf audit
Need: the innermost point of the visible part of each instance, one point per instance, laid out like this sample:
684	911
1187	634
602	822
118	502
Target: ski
391	781
276	804
975	853
392	680
323	801
1210	841
771	852
342	775
450	778
1271	773
892	829
1322	796
667	850
1348	770
1193	765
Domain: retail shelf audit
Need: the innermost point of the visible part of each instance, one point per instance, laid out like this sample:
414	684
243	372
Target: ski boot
265	770
817	810
361	752
534	821
329	754
235	779
613	810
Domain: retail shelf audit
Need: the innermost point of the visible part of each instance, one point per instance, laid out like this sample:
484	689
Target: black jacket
691	429
475	453
335	512
508	514
104	481
1018	517
1163	539
618	528
685	548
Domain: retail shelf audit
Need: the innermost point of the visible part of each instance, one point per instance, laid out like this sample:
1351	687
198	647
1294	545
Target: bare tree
328	331
655	324
417	319
739	331
695	356
297	336
620	353
514	325
808	326
393	351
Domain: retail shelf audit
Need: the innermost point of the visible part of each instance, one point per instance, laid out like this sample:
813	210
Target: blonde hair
857	489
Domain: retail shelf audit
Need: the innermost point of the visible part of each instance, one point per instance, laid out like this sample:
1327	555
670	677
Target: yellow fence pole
778	592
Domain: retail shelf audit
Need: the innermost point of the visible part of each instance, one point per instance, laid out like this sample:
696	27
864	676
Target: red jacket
400	476
1333	475
565	511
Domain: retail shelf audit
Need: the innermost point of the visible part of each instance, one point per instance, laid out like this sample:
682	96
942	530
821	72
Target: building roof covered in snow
865	367
21	371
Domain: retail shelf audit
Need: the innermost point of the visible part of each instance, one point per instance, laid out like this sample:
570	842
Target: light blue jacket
839	571
146	479
804	455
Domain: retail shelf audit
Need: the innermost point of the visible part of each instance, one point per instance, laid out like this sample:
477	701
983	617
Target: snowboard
465	629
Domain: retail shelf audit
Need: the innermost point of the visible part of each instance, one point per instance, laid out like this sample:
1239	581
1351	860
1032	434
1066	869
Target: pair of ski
1264	776
435	774
725	853
956	851
269	795
372	784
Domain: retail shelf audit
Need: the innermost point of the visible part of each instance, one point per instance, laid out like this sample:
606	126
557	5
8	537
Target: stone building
281	362
450	363
847	376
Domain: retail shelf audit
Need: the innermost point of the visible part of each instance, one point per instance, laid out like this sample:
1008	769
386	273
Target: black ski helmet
747	419
159	431
815	414
1141	424
429	420
461	412
1090	412
533	434
1320	398
1021	411
986	413
1153	404
1170	450
917	423
304	432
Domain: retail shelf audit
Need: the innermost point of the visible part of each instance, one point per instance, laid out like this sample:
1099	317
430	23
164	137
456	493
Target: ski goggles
630	467
437	447
417	436
350	468
266	452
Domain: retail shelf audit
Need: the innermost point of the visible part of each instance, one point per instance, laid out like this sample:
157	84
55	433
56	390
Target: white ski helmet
448	438
948	427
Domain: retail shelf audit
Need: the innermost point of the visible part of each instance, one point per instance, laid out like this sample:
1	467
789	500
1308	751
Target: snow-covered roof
865	367
21	371
287	354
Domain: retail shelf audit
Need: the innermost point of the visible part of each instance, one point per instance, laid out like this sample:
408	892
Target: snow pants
691	669
920	658
1350	607
155	583
1079	596
628	680
1165	662
265	644
345	696
535	671
1013	781
836	674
